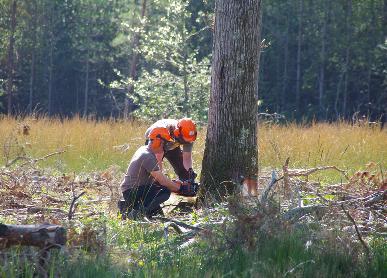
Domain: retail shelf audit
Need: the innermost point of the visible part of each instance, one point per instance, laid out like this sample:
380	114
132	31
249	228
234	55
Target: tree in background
11	54
231	142
172	82
323	59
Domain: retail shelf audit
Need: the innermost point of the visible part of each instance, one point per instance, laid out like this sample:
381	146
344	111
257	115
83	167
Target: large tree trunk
10	58
44	235
134	61
231	143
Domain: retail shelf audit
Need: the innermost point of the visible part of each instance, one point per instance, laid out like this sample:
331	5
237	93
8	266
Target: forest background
321	60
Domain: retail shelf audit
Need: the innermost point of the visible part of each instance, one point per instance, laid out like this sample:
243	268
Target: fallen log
43	236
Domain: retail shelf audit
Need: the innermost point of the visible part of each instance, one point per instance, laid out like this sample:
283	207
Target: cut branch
31	160
366	248
307	172
293	215
72	206
182	224
44	236
265	193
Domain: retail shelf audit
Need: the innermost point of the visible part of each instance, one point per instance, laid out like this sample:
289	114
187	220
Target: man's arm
187	160
165	181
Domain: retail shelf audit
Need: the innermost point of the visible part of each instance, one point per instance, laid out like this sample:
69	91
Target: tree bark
33	50
298	70
347	57
285	66
50	75
321	88
10	58
134	61
44	235
385	17
231	143
86	94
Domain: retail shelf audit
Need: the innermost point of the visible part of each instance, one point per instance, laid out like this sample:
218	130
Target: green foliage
175	83
161	94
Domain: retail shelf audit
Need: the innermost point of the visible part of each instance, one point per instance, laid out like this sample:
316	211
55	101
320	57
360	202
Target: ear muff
155	143
176	132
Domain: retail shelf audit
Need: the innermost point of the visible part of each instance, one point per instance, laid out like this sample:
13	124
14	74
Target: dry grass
92	144
343	145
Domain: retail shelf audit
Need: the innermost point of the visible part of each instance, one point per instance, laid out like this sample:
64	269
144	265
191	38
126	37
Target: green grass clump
139	250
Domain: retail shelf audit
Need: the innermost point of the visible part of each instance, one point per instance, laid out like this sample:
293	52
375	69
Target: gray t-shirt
142	164
171	125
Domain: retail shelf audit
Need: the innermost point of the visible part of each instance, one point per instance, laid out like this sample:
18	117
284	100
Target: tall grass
91	145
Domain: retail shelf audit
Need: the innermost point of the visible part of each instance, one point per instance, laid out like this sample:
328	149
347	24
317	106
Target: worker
184	133
144	186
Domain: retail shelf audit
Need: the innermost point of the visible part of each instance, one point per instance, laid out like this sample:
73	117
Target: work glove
187	189
192	175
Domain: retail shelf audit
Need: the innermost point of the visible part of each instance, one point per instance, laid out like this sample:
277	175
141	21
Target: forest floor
320	213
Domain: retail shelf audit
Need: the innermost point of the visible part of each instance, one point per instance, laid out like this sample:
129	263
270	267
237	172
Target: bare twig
307	172
182	224
294	214
174	226
31	160
265	192
376	198
72	209
16	159
298	266
34	160
286	175
366	248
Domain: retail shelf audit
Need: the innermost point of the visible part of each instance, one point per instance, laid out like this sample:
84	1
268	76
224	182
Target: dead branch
298	266
174	226
380	196
72	206
366	248
265	192
285	169
31	160
44	236
307	172
187	243
32	209
182	224
34	160
295	214
16	159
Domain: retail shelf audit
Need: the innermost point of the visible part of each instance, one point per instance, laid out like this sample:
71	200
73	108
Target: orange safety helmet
158	135
186	130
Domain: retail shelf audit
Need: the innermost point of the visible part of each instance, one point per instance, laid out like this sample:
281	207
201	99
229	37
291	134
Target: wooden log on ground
43	235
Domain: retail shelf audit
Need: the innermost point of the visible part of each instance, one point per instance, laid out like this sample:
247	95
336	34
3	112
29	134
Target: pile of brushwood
288	201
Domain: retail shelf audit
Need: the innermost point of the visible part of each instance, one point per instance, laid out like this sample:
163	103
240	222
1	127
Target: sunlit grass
136	250
343	145
91	145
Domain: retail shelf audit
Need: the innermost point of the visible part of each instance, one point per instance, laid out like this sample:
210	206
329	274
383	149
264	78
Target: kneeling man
144	186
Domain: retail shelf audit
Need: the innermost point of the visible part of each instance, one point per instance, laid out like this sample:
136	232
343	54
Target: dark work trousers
175	157
146	198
